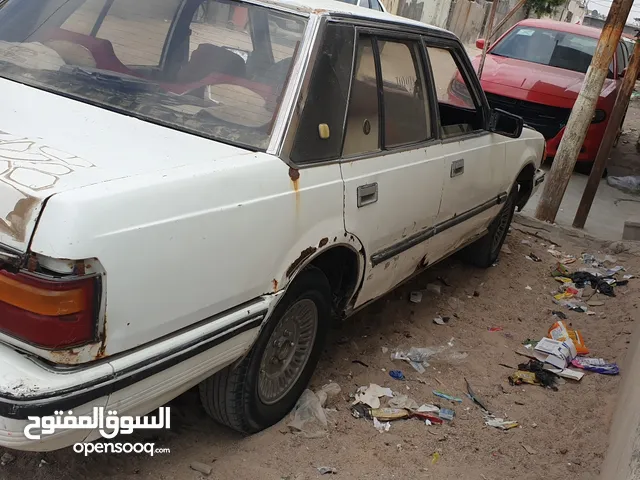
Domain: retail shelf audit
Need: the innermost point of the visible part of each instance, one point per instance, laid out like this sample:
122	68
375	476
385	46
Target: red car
536	70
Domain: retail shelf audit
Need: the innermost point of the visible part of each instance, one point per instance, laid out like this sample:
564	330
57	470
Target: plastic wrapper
597	365
560	332
308	416
629	184
519	377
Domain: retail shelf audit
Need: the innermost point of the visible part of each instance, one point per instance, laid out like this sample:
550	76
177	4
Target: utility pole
582	112
492	14
610	133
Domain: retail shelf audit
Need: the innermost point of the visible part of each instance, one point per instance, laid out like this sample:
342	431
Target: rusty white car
191	190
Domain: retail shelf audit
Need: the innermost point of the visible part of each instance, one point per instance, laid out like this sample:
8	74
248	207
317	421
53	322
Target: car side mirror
505	123
480	43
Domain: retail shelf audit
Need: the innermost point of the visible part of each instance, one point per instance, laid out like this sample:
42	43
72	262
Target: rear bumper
133	384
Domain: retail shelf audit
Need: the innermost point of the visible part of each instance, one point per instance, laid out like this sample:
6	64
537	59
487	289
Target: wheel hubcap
288	351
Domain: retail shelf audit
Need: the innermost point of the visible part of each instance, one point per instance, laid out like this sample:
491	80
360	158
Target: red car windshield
215	68
548	47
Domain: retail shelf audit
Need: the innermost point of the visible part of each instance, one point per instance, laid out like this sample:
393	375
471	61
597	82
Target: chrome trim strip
293	100
420	237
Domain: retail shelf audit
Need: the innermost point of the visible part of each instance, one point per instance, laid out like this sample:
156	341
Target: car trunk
68	145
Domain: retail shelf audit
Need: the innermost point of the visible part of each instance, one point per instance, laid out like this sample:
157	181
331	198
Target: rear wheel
266	384
484	252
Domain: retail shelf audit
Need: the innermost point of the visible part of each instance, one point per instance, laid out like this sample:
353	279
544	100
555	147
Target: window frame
622	49
429	110
400	30
473	85
377	33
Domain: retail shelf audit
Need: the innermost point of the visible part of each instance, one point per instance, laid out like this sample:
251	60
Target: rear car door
474	158
393	177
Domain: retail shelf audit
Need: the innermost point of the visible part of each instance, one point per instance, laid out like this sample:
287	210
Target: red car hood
532	81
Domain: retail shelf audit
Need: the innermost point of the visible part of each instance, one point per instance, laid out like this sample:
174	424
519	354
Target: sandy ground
566	430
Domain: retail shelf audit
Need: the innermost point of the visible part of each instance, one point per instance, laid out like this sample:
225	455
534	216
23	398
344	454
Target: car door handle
457	167
367	194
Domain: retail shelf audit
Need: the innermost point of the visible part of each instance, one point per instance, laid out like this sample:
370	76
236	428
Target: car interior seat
208	59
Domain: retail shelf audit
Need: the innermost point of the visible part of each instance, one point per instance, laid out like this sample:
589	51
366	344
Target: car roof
337	8
562	27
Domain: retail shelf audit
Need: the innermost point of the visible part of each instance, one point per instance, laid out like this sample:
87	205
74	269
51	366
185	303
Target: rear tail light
48	313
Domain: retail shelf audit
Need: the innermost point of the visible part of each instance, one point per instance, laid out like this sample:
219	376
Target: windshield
548	47
210	67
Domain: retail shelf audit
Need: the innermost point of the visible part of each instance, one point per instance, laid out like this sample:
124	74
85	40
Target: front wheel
485	251
266	384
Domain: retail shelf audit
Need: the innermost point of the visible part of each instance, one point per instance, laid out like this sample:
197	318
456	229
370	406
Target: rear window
210	67
548	47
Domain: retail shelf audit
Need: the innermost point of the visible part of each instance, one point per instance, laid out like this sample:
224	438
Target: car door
474	159
392	175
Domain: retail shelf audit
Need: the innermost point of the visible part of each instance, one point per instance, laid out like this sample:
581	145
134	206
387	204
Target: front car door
392	175
474	158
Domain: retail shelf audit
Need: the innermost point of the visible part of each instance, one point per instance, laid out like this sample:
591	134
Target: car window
459	111
362	135
215	68
403	85
548	47
375	5
145	23
324	111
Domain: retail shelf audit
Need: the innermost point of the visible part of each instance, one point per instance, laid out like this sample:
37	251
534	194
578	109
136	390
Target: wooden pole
492	14
582	112
610	133
506	18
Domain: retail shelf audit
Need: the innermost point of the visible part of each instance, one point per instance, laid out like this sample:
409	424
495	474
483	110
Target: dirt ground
566	431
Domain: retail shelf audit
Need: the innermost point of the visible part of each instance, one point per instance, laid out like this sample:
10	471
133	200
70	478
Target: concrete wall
622	461
432	12
599	23
573	11
467	20
505	7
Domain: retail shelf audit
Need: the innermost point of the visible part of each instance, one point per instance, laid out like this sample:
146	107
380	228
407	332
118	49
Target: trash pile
579	290
554	355
367	404
368	400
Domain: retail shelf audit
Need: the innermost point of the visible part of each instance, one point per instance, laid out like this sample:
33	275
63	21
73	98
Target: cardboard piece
569	373
558	354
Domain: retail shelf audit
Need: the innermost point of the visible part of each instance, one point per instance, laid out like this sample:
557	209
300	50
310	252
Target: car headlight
599	116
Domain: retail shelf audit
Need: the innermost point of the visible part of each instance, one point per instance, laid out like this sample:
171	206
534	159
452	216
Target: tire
485	251
243	396
585	168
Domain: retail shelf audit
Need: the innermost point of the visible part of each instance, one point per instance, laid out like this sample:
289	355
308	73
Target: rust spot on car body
102	351
66	357
294	175
323	242
275	285
306	253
